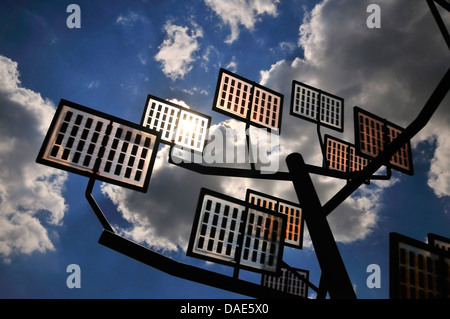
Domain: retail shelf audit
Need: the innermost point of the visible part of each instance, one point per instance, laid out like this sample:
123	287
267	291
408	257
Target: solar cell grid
191	131
228	231
77	139
290	280
294	221
90	143
265	108
317	106
235	95
400	159
331	111
247	101
178	125
371	135
128	154
306	101
342	155
161	117
261	246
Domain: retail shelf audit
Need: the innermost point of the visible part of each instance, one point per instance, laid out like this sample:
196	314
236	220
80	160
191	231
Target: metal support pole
322	292
97	210
336	278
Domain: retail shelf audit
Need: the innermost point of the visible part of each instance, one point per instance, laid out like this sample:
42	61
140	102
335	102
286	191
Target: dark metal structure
106	148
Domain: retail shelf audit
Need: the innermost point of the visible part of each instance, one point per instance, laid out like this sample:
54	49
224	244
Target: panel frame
348	168
250	107
278	201
42	157
296	272
237	261
317	120
177	122
386	139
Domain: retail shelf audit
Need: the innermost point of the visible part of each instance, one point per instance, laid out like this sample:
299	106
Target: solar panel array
293	212
317	106
87	142
247	101
232	232
341	156
291	280
178	125
372	133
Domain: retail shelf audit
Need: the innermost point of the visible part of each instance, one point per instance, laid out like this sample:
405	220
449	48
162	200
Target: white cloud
232	66
235	13
176	53
30	194
439	174
130	19
93	84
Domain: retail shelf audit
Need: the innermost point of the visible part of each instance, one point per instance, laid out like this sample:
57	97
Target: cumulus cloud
176	53
30	194
236	13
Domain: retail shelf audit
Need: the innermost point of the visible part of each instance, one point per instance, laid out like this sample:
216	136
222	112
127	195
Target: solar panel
178	125
317	106
291	280
192	130
341	155
232	232
293	212
371	135
248	101
218	223
261	248
94	144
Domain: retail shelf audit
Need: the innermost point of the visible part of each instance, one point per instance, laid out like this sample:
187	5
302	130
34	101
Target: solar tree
243	234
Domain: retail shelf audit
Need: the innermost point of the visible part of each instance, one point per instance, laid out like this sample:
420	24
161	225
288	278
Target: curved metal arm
97	210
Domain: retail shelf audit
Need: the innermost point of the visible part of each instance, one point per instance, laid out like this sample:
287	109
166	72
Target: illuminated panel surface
128	155
247	101
227	231
317	106
265	108
262	245
161	116
192	130
87	142
217	228
178	125
342	155
294	220
291	280
371	132
418	270
402	158
234	95
76	139
306	101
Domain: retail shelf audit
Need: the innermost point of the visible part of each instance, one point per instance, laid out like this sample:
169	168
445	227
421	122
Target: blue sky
174	50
